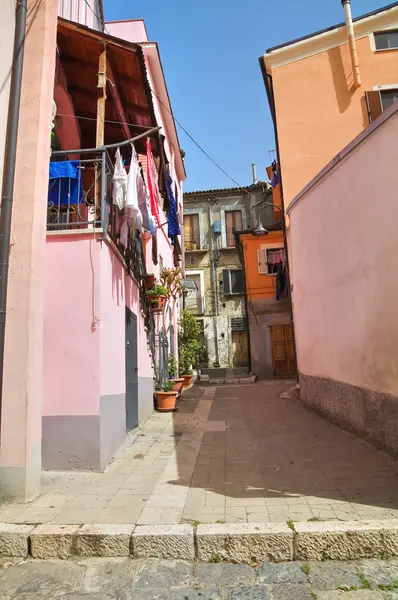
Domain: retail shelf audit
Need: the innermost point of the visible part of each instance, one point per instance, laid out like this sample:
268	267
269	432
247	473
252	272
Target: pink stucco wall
133	30
71	326
343	241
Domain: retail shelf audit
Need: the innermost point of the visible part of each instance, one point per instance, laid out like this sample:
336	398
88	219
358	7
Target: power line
105	121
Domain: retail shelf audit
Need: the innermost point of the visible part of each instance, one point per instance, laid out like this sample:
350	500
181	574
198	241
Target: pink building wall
343	242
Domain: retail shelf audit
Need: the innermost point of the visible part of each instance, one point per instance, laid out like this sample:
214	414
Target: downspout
269	87
242	258
352	43
213	287
10	153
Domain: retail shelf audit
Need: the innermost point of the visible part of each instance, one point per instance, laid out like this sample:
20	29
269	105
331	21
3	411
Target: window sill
376	50
228	248
68	232
186	250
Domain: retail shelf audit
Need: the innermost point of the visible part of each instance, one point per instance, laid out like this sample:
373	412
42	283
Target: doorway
131	371
283	358
240	349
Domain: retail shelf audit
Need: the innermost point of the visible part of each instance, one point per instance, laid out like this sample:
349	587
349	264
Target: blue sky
210	51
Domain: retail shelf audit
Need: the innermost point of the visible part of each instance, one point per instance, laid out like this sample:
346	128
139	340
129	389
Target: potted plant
189	345
177	382
150	281
166	397
157	297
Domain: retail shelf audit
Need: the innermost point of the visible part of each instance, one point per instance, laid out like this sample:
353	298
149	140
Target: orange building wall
259	286
318	110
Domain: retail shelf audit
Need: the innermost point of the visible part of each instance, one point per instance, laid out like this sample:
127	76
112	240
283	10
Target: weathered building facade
213	263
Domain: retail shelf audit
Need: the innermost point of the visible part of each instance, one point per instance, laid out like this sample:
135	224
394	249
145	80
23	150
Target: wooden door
240	349
284	360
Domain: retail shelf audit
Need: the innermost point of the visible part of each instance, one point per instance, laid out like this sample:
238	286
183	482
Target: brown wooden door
240	349
284	360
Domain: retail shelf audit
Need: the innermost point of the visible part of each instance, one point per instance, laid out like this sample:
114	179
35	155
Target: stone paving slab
127	579
234	454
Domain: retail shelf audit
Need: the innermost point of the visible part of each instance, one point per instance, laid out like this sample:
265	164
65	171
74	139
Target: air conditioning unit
217	227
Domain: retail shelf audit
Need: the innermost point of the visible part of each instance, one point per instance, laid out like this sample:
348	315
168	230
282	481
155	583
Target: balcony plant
176	381
166	397
189	345
157	297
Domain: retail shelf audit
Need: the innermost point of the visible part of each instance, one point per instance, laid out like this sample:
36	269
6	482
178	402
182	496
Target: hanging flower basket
156	303
150	281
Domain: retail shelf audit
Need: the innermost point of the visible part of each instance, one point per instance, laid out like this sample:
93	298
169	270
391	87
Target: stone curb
235	542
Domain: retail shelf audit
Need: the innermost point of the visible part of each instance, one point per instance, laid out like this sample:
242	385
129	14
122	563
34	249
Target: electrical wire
240	187
105	120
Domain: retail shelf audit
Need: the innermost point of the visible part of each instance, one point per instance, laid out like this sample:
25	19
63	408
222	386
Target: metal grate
238	323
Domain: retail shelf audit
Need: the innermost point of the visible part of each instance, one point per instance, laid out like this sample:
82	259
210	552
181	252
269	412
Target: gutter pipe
352	43
7	192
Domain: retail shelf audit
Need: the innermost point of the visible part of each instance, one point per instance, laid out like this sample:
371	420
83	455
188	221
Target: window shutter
226	282
237	281
373	104
262	261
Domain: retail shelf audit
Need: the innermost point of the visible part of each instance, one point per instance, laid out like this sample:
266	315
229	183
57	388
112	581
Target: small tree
171	280
188	342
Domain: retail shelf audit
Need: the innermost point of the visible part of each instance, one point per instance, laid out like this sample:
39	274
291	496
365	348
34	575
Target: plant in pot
166	397
189	345
150	281
173	372
157	297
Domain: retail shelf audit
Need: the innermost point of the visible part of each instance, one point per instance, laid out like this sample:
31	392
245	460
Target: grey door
131	371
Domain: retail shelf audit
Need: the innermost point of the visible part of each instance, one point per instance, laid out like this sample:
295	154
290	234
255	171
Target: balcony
195	242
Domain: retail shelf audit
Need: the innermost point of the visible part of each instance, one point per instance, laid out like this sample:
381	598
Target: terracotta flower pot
166	401
178	384
156	302
187	381
149	281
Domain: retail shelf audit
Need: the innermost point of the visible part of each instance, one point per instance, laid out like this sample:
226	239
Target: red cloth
153	197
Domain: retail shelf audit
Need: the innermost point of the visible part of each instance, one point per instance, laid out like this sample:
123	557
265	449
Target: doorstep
231	542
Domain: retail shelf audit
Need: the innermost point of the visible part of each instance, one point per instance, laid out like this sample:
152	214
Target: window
191	232
232	280
269	260
388	97
194	299
386	40
378	101
233	221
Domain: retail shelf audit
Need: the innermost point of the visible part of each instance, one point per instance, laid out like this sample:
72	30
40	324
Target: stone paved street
126	579
231	453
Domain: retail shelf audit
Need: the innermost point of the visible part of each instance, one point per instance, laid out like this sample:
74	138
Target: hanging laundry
133	213
148	220
275	180
152	186
124	233
172	215
65	186
119	182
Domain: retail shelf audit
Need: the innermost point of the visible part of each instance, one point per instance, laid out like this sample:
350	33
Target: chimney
352	43
254	171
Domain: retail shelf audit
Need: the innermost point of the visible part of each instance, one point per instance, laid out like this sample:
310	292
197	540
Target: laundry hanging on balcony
172	216
119	181
133	213
152	186
65	185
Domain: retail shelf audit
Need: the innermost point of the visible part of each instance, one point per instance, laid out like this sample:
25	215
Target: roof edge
331	28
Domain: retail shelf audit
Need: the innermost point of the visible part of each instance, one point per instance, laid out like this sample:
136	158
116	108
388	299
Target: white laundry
119	182
133	212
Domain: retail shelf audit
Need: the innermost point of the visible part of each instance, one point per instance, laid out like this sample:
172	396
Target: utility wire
178	123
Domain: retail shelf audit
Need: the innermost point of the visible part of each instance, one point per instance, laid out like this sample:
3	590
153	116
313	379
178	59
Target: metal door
131	371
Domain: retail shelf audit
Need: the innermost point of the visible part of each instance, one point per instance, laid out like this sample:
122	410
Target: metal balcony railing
195	241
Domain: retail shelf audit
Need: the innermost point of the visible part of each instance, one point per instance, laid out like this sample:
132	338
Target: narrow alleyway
233	454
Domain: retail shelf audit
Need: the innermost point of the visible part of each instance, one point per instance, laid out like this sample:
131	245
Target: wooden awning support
101	98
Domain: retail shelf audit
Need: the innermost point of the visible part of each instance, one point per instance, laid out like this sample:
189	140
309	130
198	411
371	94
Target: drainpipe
213	287
7	191
269	87
352	43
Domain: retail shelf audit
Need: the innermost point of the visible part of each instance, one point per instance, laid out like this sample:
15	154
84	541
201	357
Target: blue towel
65	186
172	215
